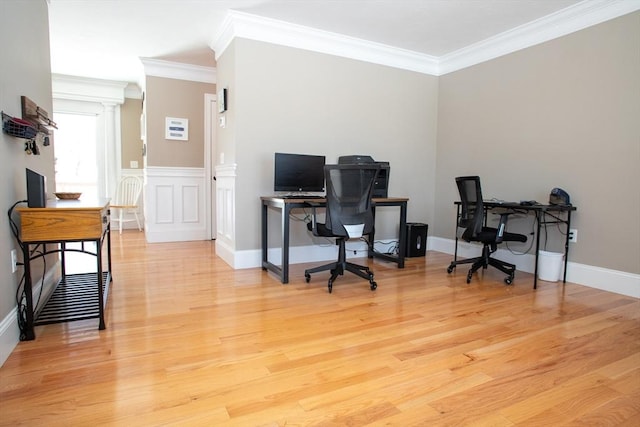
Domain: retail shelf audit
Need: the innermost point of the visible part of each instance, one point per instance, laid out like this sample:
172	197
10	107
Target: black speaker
416	239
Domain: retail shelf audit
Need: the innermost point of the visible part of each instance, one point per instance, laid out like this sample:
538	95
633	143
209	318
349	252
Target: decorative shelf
35	126
37	116
18	127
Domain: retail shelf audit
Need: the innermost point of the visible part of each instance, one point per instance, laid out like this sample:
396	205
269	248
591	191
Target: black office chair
348	215
473	222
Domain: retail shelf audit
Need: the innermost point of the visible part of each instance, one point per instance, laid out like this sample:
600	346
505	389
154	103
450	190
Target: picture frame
176	128
222	100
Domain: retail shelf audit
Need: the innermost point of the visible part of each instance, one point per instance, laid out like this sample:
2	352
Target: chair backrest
128	191
349	187
472	217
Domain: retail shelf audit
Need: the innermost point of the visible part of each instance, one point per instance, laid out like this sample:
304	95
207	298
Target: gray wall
304	102
131	149
24	70
181	99
562	114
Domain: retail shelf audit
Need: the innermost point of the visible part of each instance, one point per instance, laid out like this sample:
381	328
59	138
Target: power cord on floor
20	290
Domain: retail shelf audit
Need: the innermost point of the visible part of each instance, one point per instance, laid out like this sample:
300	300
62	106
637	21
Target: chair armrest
502	225
311	226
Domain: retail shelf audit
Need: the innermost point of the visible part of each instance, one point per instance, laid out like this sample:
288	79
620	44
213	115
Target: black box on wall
416	239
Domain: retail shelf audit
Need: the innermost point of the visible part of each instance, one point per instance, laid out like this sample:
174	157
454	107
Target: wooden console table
76	296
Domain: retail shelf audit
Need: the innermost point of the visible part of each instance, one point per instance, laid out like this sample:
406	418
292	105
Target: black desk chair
348	215
473	222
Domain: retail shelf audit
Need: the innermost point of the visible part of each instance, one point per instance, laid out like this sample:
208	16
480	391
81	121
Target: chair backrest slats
472	218
349	189
128	191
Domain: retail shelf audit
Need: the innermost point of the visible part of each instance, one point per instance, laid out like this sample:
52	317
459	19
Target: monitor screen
298	172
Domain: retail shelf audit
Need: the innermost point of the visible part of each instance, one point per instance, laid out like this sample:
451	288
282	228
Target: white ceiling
105	39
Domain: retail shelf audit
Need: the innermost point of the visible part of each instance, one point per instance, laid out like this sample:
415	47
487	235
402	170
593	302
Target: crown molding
244	25
177	70
86	89
571	19
133	91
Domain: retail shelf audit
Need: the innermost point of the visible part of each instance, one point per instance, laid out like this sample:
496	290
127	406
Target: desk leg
27	332
285	243
372	236
101	324
109	269
264	216
403	235
566	247
539	219
283	270
455	248
63	259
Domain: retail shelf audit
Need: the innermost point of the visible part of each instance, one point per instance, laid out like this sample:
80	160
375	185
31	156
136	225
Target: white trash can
549	266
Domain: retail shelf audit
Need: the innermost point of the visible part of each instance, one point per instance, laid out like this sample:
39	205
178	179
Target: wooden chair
126	201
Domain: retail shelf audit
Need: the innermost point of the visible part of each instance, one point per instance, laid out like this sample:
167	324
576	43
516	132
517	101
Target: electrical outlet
573	235
14	261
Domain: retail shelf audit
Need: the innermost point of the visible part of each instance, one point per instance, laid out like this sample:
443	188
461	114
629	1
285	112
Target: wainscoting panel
191	203
174	204
164	202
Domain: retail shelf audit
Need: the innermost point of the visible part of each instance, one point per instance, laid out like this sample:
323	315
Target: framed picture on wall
176	128
222	100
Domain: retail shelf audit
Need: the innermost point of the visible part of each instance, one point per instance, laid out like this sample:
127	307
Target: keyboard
300	196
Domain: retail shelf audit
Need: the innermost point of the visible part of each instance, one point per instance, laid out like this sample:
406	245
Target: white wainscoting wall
225	215
174	204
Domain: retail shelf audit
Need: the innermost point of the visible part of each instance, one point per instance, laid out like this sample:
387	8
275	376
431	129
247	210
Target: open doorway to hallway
76	168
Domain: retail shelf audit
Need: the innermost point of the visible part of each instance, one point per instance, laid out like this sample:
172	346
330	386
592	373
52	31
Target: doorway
76	168
210	132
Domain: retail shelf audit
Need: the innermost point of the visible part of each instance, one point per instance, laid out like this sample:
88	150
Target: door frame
210	128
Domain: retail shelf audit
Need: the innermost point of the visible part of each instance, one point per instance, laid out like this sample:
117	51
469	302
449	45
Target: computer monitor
36	189
303	173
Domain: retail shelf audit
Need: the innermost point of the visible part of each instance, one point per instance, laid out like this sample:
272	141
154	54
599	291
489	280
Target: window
75	153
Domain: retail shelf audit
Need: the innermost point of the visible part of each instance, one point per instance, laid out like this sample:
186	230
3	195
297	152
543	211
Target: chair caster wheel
374	286
330	286
508	280
450	269
469	277
307	277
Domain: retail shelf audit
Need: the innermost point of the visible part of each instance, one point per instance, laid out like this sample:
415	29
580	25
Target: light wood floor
189	341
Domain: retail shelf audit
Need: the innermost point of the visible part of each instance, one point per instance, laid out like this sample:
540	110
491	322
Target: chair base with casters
348	215
483	262
340	266
471	220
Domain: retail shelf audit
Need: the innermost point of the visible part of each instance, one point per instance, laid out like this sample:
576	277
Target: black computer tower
381	186
416	239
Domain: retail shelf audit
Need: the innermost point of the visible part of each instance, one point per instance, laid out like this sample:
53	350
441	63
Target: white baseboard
606	279
9	335
619	282
174	235
9	329
297	254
